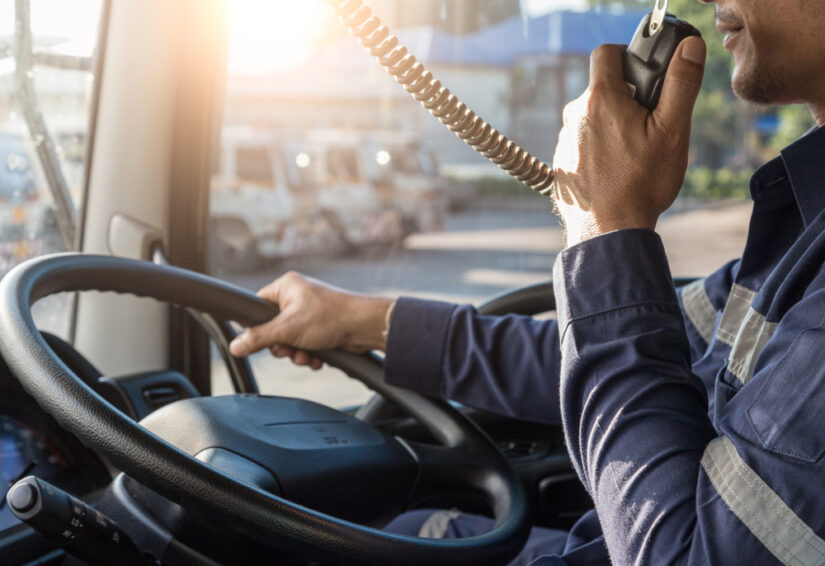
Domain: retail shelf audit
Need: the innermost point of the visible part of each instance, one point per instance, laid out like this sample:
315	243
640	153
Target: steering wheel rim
196	486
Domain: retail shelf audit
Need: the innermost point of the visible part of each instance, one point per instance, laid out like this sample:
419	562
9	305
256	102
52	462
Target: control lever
71	524
647	58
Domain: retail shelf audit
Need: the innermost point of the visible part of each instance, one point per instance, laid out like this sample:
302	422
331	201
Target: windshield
46	81
378	196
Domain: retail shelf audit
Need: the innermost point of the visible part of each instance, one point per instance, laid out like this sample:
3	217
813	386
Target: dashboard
31	442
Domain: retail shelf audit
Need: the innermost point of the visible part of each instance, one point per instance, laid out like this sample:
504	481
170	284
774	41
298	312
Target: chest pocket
788	413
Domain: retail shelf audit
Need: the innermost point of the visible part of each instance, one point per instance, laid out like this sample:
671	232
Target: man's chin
753	86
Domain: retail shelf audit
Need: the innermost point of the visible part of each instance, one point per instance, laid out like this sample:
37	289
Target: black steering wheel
409	472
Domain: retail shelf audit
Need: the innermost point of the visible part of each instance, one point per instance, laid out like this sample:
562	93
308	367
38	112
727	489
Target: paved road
483	251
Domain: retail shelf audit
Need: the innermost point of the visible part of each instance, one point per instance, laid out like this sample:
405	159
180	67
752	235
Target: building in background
453	16
517	74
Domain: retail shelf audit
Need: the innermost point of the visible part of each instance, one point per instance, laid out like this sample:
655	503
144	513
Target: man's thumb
682	83
257	338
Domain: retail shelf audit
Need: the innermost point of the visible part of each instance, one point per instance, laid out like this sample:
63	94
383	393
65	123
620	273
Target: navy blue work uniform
695	419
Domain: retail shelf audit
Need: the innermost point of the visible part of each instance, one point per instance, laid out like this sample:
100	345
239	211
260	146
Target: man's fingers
259	337
244	344
262	336
240	346
606	67
682	84
304	359
281	350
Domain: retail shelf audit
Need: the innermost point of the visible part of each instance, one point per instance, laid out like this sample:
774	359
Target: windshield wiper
25	59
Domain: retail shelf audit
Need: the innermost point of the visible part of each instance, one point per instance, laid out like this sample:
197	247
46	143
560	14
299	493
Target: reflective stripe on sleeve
761	510
751	338
699	309
438	523
736	308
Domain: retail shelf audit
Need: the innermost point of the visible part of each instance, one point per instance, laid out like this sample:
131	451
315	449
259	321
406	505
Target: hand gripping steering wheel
465	460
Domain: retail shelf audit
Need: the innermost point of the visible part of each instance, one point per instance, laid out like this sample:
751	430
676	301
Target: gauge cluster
32	443
23	451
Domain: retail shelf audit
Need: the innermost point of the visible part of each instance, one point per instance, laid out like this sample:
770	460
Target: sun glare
273	35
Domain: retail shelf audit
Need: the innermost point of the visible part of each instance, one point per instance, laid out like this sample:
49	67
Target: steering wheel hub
316	456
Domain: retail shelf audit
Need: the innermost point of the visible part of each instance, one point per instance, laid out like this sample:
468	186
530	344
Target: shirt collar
804	164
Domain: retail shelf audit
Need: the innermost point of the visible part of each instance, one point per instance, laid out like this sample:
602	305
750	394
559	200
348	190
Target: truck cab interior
147	439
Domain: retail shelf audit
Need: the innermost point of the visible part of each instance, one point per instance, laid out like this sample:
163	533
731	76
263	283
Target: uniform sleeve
667	486
508	364
635	418
504	364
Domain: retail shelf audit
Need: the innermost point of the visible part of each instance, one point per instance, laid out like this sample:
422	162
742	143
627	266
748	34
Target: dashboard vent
157	397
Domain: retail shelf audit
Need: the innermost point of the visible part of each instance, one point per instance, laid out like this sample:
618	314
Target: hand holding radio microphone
617	164
645	64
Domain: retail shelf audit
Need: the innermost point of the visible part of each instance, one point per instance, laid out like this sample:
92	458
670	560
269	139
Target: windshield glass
46	85
371	193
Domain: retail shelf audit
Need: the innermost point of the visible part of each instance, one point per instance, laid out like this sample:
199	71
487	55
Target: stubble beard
760	84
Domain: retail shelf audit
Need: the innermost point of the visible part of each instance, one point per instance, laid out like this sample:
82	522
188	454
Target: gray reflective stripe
437	524
751	338
761	510
739	301
699	309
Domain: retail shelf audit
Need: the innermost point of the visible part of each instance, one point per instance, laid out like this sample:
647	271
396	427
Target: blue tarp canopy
557	33
332	69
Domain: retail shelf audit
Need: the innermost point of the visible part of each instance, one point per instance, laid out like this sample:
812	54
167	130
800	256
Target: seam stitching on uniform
774	503
761	491
766	536
666	306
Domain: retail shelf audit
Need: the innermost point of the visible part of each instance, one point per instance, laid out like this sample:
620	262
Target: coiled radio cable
426	89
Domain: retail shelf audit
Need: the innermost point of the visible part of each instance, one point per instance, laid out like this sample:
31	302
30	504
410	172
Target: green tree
794	121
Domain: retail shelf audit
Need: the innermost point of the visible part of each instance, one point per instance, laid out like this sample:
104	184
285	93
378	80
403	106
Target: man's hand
315	316
618	165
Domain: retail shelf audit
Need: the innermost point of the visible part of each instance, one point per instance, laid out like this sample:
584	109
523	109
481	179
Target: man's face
778	48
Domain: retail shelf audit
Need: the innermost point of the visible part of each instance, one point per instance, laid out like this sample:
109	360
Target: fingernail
694	50
238	346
